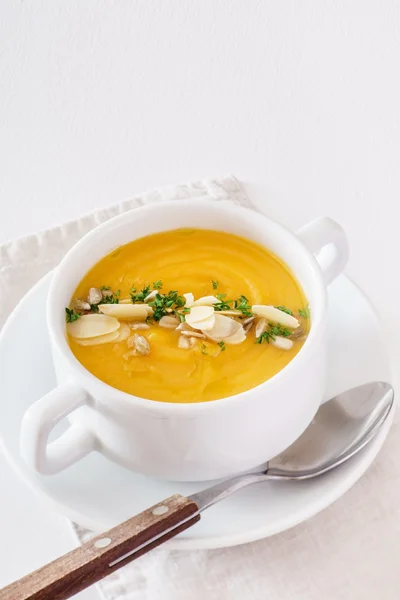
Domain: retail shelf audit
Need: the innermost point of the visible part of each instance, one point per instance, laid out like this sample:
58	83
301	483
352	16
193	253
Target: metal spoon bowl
340	429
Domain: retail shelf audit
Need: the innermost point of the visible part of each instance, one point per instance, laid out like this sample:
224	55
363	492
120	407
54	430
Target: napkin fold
349	552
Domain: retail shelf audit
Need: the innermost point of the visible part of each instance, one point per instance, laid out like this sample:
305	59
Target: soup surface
232	340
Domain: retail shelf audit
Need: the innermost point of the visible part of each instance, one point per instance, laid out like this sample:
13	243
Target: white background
102	99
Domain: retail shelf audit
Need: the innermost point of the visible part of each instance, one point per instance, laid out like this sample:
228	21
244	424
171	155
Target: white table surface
100	99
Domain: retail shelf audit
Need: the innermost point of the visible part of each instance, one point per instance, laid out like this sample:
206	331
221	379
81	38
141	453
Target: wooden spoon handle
106	553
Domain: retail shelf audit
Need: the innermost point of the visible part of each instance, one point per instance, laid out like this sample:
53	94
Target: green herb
242	304
180	316
215	284
185	310
94	308
222	346
162	302
141	295
272	332
284	309
264	337
304	312
108	298
222	304
105	288
275	330
157	285
71	315
204	349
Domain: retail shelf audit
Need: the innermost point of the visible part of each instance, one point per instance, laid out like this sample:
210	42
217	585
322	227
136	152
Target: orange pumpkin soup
187	316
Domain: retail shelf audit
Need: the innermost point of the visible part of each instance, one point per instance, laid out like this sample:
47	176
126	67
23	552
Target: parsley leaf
222	346
264	337
141	295
275	330
272	332
108	298
215	284
71	315
163	302
304	312
204	349
242	304
223	305
157	285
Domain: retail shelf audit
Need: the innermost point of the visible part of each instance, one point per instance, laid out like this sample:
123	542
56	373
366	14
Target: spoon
340	429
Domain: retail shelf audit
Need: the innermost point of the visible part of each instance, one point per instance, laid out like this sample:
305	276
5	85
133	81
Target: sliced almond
236	338
89	326
100	339
206	324
282	343
189	299
248	326
199	313
275	315
249	320
169	322
206	301
137	326
201	336
231	313
123	333
126	311
261	327
183	342
94	296
223	327
151	296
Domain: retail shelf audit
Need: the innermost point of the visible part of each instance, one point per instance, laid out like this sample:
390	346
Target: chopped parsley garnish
204	349
215	284
304	312
157	285
264	337
140	296
272	332
242	304
279	330
112	298
285	309
71	315
222	305
222	346
163	302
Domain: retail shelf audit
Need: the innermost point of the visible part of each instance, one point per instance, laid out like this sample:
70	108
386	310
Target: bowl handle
328	242
40	419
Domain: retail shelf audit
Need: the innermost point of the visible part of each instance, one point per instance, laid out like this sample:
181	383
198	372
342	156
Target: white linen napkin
349	552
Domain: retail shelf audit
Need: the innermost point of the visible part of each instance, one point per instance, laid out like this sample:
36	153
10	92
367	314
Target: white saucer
98	494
